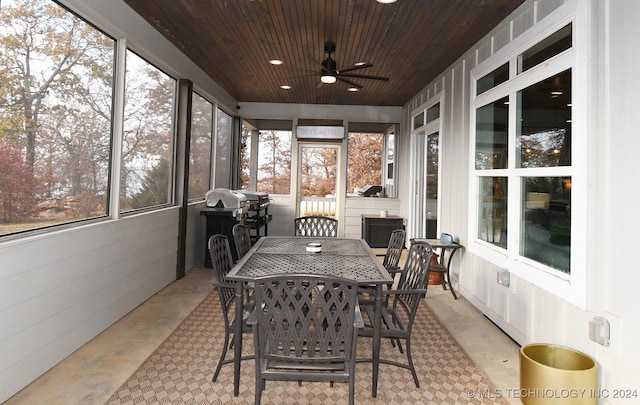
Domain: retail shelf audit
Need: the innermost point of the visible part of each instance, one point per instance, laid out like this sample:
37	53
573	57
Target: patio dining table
347	258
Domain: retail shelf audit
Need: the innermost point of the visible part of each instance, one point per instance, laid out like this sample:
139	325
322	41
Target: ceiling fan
329	73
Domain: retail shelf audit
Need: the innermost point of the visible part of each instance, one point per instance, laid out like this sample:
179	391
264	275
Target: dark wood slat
411	42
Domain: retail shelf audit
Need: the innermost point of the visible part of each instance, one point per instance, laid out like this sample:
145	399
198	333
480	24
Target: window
543	130
433	113
432	179
546	221
265	156
147	144
224	143
391	156
364	160
418	120
554	44
200	149
492	224
55	133
491	135
371	149
274	161
425	166
245	157
543	140
491	80
523	165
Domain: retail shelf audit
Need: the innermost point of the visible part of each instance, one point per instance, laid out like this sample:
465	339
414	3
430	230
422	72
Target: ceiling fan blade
324	69
355	67
356	76
349	82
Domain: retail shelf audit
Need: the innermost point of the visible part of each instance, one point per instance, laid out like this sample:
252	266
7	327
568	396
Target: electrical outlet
503	277
600	330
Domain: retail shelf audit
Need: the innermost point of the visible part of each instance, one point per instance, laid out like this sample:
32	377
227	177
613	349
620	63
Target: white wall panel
282	210
356	206
523	20
501	37
518	309
616	194
61	289
484	50
544	8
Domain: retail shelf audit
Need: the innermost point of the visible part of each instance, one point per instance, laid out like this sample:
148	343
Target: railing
325	206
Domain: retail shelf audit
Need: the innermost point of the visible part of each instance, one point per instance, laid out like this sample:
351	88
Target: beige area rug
179	371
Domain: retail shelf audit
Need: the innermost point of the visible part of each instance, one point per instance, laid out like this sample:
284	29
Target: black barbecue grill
258	213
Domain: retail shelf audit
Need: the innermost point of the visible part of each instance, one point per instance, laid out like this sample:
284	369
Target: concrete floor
94	372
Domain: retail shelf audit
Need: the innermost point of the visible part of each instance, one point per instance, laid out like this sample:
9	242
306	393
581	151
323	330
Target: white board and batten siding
606	130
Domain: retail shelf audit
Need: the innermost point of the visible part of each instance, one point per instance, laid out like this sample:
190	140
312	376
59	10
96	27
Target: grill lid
225	198
254	195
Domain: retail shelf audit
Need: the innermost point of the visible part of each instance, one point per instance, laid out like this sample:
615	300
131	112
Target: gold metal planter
552	374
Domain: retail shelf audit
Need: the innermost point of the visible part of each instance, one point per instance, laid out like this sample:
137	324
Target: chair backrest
305	319
394	248
242	239
222	262
414	276
316	226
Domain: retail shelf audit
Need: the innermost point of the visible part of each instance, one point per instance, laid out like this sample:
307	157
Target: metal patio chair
394	251
305	330
316	225
242	239
401	306
222	262
390	262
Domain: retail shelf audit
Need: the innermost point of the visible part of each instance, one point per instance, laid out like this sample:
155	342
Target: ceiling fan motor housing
329	64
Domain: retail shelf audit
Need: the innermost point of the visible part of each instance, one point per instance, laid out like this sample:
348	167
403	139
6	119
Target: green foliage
155	188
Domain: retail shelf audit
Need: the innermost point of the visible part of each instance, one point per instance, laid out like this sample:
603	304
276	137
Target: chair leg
222	356
260	382
352	390
258	393
410	361
352	380
396	342
260	385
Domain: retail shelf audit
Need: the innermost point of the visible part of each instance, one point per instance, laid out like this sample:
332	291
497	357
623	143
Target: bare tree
16	184
365	160
276	163
44	48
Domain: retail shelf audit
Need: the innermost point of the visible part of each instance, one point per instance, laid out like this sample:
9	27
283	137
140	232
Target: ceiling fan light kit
329	72
327	78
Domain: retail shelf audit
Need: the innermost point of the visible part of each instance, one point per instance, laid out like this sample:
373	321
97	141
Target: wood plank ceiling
410	42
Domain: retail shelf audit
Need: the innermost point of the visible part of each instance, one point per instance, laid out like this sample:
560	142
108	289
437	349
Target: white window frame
569	287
